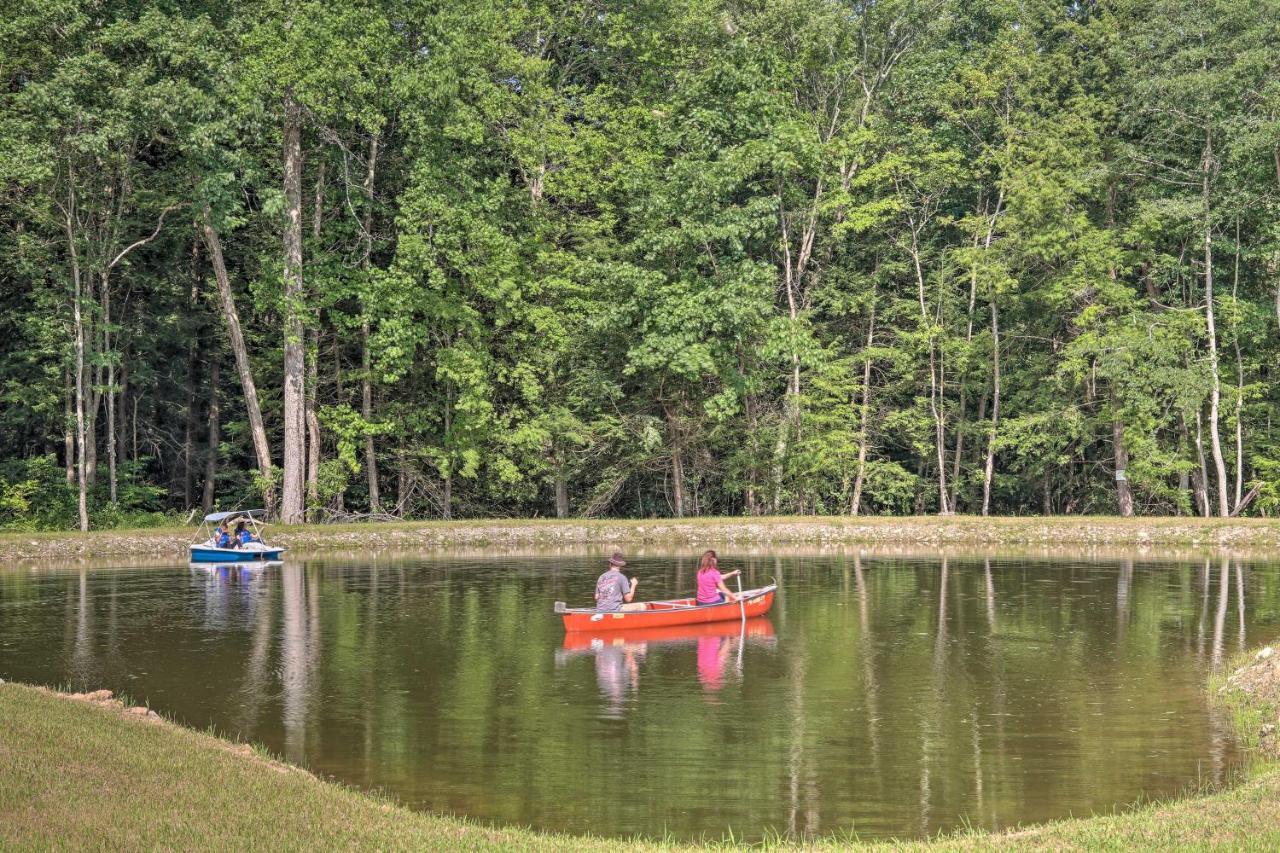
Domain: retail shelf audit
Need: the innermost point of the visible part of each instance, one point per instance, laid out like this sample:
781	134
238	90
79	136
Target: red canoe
662	614
758	630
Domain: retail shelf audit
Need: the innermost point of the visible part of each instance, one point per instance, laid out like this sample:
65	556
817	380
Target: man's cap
616	561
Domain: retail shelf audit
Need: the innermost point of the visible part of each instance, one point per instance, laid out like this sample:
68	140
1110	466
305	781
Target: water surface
886	697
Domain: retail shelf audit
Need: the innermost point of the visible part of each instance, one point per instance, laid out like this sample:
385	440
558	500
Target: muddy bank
1246	537
1251	693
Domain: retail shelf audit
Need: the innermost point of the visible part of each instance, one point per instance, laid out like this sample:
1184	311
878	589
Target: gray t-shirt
611	588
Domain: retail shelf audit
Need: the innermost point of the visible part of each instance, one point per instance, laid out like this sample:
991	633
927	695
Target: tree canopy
664	258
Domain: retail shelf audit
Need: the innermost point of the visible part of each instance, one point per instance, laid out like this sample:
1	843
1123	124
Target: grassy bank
86	774
92	773
1246	536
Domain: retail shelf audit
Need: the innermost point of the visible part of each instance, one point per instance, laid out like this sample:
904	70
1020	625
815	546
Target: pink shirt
708	590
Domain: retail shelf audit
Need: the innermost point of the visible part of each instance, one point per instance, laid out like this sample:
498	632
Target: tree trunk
366	373
294	461
780	454
261	449
677	467
122	406
312	356
366	412
402	478
968	338
93	401
340	397
935	405
68	425
111	385
962	408
855	505
989	469
188	437
1275	263
1239	413
794	268
215	437
1239	410
448	473
1201	478
957	448
1184	477
313	426
134	456
749	497
1215	392
562	496
189	432
1124	493
78	321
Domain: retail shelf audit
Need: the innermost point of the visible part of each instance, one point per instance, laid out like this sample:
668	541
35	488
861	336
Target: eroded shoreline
1173	537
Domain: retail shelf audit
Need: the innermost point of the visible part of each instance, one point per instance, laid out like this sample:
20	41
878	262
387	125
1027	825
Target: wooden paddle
742	605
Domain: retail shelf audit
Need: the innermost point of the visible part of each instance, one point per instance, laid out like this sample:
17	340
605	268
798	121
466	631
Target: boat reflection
618	654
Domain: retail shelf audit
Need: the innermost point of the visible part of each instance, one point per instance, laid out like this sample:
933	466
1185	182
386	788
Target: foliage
655	259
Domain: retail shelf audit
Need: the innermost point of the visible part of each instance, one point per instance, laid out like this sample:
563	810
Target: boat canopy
255	514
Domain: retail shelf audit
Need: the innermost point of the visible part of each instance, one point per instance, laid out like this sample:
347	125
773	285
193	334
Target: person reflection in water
617	672
613	590
713	653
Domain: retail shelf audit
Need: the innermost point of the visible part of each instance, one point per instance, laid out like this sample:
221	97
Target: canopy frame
215	517
255	517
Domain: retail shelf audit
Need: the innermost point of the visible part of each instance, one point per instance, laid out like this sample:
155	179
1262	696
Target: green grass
75	775
1248	713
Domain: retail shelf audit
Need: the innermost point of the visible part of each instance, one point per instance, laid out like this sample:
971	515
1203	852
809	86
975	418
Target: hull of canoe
205	554
759	629
666	614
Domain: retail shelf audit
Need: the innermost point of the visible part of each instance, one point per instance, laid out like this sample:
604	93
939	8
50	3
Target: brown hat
616	561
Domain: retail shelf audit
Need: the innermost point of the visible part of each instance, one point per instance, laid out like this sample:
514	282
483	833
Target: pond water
881	696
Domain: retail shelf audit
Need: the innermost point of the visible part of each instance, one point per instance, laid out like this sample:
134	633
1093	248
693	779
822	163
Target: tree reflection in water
903	695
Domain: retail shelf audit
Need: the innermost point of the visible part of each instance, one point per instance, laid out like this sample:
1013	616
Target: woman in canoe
711	588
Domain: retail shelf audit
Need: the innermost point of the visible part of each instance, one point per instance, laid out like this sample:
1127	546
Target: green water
885	697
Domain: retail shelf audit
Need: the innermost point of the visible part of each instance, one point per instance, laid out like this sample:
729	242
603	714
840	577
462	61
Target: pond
882	696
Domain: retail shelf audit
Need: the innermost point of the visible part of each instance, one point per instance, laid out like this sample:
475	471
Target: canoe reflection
618	654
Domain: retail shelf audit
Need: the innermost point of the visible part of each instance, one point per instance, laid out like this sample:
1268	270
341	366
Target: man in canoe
613	590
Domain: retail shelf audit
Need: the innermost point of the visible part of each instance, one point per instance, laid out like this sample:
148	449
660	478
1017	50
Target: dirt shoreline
1249	689
1241	537
1259	536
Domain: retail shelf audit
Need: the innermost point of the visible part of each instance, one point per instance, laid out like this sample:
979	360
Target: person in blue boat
243	535
613	590
222	536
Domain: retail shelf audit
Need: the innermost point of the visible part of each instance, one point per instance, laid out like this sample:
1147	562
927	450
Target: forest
486	258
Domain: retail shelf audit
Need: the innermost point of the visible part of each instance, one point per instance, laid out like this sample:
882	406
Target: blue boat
256	551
